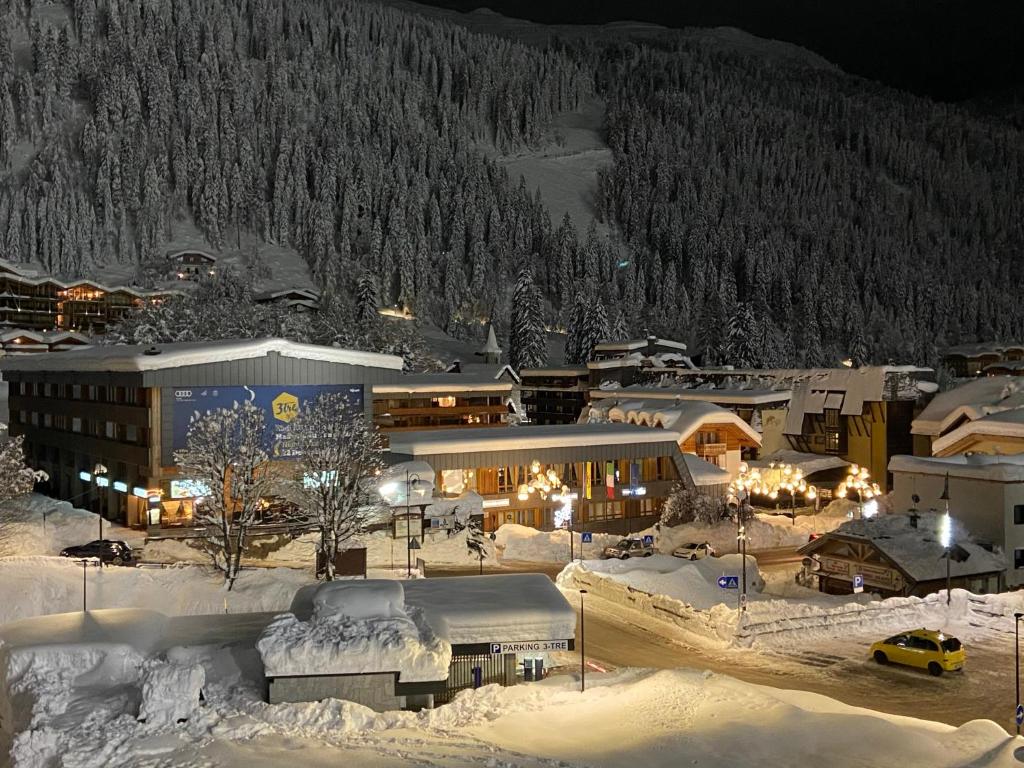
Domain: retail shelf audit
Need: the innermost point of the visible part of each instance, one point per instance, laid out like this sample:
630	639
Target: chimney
652	344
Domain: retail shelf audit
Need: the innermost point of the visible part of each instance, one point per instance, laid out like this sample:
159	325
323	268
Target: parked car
107	550
694	551
924	648
627	548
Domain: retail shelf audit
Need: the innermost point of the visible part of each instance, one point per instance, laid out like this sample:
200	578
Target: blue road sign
586	537
1020	714
495	648
729	582
858	583
648	541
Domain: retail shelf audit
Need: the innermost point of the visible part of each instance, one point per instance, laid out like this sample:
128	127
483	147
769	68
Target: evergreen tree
527	343
742	348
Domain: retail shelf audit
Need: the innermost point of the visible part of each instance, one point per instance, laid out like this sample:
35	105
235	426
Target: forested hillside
348	131
853	220
766	209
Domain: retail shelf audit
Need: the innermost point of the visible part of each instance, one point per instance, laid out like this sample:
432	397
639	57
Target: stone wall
376	691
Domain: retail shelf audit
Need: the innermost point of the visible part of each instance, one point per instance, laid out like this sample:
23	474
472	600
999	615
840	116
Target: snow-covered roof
917	552
975	466
188	251
516	607
727	396
438	441
807	463
683	417
306	293
999	424
563	371
984	348
635	344
972	400
704	473
361	627
444	383
121	358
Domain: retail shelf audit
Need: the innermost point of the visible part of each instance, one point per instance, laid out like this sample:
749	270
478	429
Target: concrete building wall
376	691
773	420
984	507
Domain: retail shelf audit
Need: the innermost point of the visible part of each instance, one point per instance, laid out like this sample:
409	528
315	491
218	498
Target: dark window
1018	558
1018	514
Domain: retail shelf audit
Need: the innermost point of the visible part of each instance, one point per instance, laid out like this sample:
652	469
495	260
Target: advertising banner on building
280	404
587	480
609	479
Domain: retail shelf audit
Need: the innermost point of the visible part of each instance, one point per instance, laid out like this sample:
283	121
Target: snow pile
172	551
519	542
693	583
35	586
38	525
437	547
356	628
170	692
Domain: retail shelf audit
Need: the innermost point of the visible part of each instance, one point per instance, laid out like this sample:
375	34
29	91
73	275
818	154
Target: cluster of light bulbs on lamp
541	482
858	481
776	478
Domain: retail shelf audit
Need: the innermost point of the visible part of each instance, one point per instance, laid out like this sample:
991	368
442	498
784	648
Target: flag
586	480
609	478
634	475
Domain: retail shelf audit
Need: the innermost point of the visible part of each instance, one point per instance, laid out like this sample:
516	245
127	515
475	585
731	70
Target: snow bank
336	644
437	548
26	532
693	583
35	586
519	542
170	692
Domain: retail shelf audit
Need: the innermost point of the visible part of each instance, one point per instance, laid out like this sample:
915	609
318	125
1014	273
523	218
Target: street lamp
583	646
736	502
946	538
102	481
409	480
859	480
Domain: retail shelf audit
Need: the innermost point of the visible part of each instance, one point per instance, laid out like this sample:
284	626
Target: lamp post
409	480
1016	664
583	646
946	537
100	473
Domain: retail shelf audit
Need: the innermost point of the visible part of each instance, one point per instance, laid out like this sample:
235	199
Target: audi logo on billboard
183	393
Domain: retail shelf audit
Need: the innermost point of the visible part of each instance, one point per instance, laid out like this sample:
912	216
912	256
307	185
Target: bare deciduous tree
225	451
339	457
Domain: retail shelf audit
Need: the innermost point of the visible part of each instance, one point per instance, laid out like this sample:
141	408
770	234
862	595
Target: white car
694	551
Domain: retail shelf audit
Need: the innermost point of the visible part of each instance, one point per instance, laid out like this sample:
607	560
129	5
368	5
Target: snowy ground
82	701
39	525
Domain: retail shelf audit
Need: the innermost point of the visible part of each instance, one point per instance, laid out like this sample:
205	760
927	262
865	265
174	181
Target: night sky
948	49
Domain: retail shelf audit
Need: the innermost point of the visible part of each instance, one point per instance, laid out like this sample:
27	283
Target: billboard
280	404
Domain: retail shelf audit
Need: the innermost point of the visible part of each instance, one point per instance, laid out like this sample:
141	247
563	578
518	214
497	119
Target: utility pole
409	479
1016	658
946	534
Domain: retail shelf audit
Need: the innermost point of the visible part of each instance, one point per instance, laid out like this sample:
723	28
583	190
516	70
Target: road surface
838	667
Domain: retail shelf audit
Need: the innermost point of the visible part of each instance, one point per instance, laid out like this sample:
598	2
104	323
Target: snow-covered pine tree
225	451
340	454
741	345
527	342
367	302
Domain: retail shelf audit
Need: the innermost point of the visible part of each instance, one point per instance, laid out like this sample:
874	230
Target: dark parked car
107	550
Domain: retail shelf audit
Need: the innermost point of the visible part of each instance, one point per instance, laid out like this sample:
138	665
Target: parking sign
858	583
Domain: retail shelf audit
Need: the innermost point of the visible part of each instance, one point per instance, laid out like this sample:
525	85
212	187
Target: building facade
36	302
128	408
442	401
619	474
554	395
986	495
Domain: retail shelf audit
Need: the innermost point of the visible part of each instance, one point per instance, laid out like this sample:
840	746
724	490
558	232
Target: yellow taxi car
925	648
